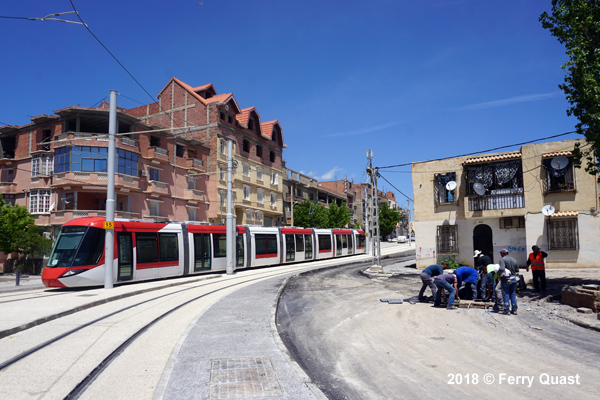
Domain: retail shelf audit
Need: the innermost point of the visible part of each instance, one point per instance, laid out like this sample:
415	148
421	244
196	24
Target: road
353	346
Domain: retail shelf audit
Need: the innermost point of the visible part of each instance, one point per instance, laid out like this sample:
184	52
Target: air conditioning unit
144	172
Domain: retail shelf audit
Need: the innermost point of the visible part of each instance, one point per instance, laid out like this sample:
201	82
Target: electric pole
372	172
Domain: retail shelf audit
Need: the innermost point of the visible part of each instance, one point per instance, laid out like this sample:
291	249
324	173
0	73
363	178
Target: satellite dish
560	162
548	210
52	206
451	185
67	199
479	188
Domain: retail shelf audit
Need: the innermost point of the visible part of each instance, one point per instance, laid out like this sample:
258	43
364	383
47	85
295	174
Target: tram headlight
73	272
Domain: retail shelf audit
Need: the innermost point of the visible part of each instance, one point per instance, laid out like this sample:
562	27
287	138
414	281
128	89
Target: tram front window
77	246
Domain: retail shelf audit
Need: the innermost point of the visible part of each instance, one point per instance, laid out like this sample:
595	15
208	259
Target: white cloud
330	175
506	102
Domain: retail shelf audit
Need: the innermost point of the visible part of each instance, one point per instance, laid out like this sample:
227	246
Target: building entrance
482	240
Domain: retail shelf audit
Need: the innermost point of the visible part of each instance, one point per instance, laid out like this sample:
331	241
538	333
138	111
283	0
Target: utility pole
109	224
367	218
229	226
376	267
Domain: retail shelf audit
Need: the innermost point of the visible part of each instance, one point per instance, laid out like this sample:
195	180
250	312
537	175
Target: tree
310	214
19	232
576	24
388	218
339	217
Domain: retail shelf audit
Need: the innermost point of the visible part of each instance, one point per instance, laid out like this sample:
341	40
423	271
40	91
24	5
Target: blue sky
411	80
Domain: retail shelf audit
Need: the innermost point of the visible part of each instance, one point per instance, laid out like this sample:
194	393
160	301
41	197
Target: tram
151	250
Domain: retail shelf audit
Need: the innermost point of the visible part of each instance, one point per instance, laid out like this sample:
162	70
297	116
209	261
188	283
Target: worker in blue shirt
467	276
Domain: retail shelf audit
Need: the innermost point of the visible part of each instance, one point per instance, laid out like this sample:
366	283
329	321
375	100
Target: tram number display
109	225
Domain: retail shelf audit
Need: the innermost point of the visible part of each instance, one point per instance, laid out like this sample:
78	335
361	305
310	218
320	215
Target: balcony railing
498	200
67	215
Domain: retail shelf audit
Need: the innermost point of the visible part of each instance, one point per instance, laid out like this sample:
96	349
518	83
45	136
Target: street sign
109	225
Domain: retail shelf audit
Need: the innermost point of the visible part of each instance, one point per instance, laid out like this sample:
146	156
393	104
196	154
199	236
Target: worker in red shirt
538	269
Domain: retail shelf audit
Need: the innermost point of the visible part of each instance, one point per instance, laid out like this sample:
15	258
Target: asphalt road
355	347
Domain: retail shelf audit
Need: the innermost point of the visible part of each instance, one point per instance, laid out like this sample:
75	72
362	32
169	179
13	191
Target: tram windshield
77	246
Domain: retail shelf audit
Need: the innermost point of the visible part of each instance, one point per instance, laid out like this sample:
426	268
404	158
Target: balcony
194	163
63	216
8	187
157	187
158	153
193	194
498	199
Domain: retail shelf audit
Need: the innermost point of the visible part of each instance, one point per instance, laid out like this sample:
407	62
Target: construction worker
538	269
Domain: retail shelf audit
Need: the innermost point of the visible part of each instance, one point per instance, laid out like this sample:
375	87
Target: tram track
95	335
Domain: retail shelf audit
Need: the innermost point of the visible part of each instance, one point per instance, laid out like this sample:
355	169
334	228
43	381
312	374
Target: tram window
147	247
324	243
265	244
169	251
290	248
299	242
91	248
345	241
308	247
219	245
360	241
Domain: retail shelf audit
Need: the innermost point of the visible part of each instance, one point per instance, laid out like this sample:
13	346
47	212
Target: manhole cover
243	378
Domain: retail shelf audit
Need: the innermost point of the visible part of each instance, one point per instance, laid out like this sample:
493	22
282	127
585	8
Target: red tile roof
557	153
558	214
496	157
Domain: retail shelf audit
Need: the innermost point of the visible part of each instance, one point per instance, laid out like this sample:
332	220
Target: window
447	239
308	247
251	124
154	207
222	146
274	178
192	213
324	243
360	241
179	150
266	245
169	251
127	163
559	179
10	175
46	138
273	199
41	164
154	174
222	115
246	190
222	173
191	183
219	245
290	248
222	198
249	214
39	201
299	242
259	151
154	141
259	173
272	156
246	145
441	194
500	186
562	234
259	195
245	169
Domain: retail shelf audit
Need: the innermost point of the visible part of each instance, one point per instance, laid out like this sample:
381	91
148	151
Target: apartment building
56	166
202	116
513	200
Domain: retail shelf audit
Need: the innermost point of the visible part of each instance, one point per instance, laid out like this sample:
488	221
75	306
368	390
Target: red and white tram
151	250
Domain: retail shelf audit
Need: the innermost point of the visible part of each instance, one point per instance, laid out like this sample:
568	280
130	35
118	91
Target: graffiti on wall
517	245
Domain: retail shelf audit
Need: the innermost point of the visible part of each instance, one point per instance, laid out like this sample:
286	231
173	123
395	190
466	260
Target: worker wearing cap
427	278
509	269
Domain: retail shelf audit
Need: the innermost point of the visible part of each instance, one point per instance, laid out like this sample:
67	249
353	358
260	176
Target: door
125	259
483	240
201	252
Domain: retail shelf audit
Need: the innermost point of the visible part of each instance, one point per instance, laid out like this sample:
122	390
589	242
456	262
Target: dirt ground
353	346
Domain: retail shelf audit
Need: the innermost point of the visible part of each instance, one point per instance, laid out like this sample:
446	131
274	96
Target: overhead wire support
49	18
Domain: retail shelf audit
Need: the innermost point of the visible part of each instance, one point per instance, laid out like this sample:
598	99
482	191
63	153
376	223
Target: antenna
479	188
451	185
548	210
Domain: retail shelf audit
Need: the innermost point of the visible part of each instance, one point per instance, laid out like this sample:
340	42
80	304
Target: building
201	115
56	166
502	200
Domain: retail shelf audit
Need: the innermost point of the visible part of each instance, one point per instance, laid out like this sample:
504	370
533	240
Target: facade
201	115
56	166
503	200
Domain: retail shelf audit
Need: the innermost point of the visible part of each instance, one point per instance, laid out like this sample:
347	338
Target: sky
410	80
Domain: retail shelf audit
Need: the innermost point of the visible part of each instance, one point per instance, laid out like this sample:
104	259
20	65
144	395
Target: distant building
497	203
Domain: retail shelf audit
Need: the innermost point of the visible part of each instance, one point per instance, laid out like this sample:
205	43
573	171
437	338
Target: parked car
402	239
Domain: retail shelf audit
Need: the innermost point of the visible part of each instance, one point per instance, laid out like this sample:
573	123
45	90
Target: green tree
576	24
310	214
20	234
388	218
339	217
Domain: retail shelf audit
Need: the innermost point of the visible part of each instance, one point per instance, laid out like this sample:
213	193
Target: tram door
125	259
201	252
